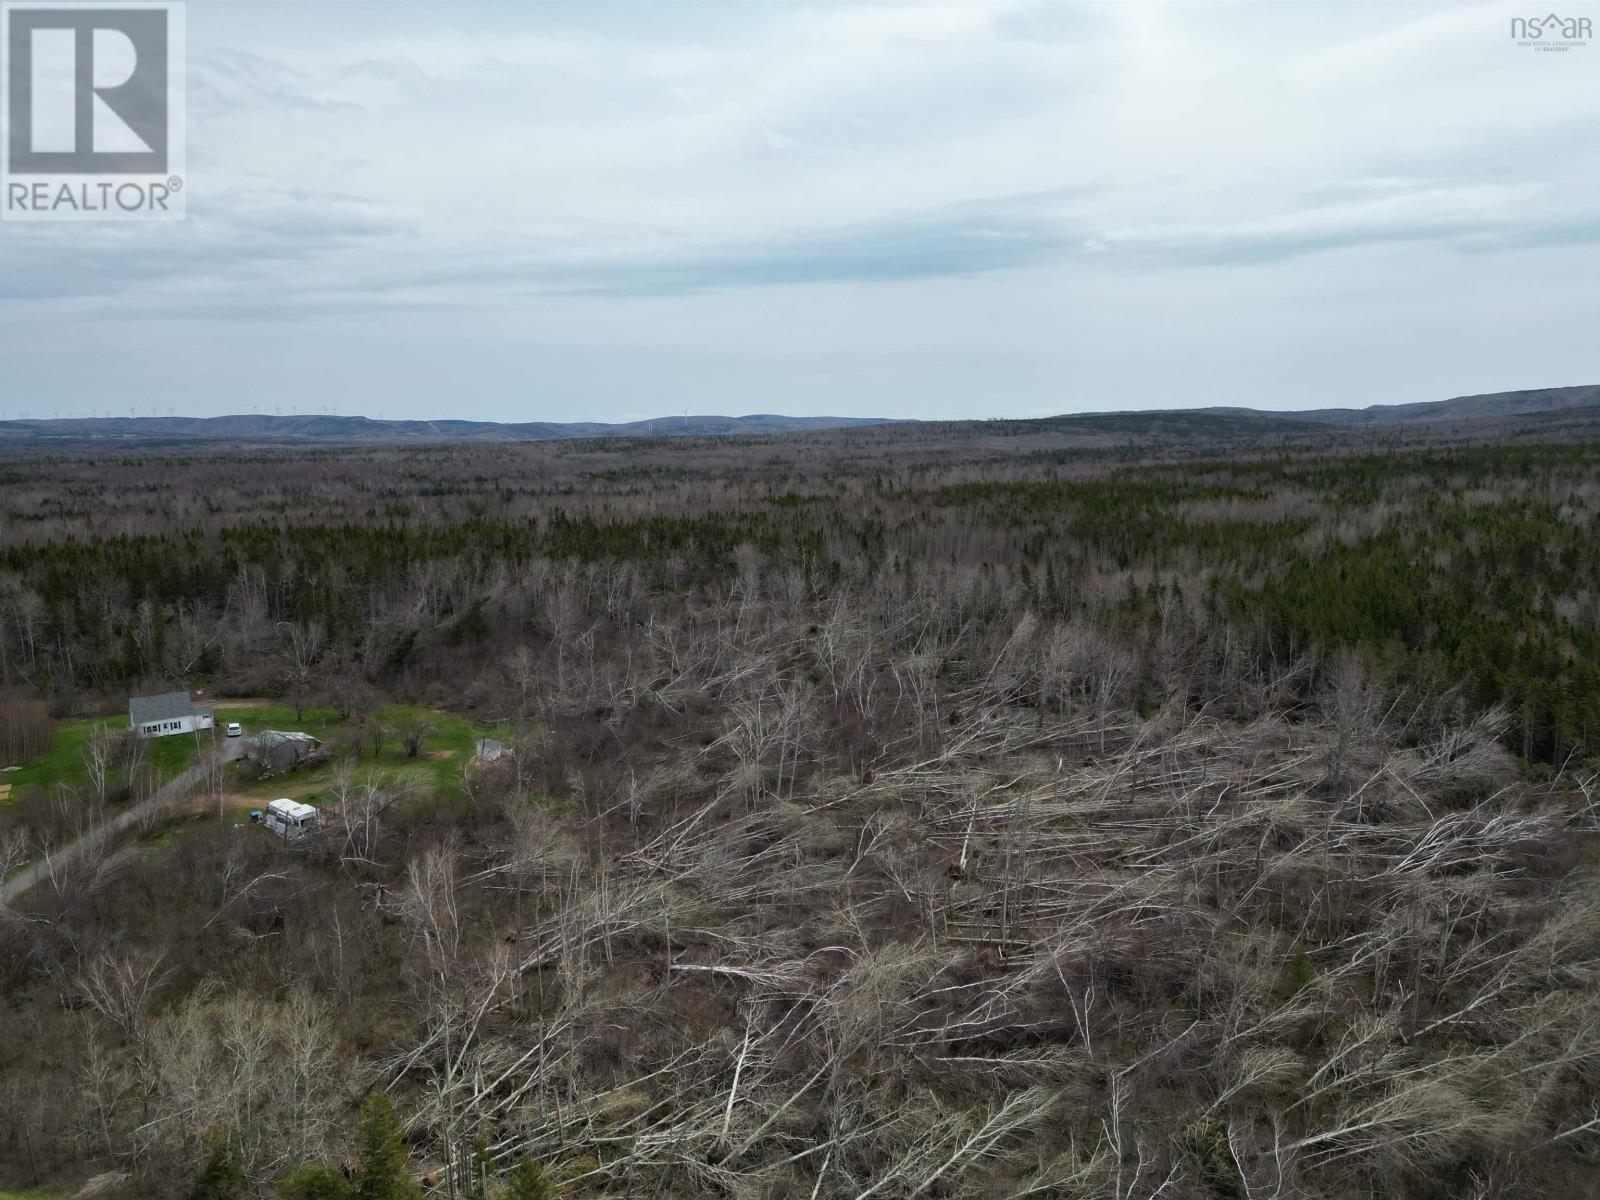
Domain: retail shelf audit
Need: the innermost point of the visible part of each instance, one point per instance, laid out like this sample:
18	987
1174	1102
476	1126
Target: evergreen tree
527	1181
315	1181
384	1173
222	1178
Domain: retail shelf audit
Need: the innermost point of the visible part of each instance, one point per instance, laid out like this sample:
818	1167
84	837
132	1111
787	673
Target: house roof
276	737
170	706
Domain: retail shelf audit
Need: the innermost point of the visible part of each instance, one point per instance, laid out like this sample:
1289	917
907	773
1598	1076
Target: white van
291	819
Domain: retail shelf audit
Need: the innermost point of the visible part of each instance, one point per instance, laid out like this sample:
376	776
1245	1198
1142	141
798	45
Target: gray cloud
1018	203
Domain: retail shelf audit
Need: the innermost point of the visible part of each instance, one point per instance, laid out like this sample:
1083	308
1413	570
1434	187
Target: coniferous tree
384	1173
527	1181
222	1177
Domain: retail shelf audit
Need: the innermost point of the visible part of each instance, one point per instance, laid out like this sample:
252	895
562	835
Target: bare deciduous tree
122	986
302	647
413	731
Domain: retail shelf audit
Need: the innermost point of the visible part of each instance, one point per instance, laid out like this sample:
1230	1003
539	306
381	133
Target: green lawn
449	744
447	747
64	762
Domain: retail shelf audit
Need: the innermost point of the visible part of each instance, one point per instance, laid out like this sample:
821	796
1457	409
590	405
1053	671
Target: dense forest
1463	574
1184	807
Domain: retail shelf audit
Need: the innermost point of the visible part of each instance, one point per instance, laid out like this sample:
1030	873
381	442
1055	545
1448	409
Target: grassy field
64	762
447	747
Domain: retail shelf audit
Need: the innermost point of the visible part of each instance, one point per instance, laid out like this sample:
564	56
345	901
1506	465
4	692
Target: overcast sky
598	210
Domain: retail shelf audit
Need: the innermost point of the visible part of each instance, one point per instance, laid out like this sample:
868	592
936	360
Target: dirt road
174	789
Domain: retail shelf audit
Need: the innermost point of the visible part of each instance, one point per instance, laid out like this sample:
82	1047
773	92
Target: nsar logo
1551	32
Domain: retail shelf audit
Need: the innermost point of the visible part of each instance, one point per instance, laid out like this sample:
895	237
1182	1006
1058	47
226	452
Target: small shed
166	714
488	750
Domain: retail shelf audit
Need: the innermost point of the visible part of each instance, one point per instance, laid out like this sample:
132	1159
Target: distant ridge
330	429
1489	404
1458	408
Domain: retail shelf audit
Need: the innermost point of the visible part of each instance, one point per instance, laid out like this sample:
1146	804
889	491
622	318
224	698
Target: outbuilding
280	750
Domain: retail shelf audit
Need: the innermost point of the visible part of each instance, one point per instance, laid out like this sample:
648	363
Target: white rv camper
291	819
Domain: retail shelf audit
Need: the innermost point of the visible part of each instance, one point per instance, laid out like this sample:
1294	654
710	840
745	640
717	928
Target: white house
161	716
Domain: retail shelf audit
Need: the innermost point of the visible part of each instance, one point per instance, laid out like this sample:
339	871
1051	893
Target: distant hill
327	429
1181	424
1460	408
